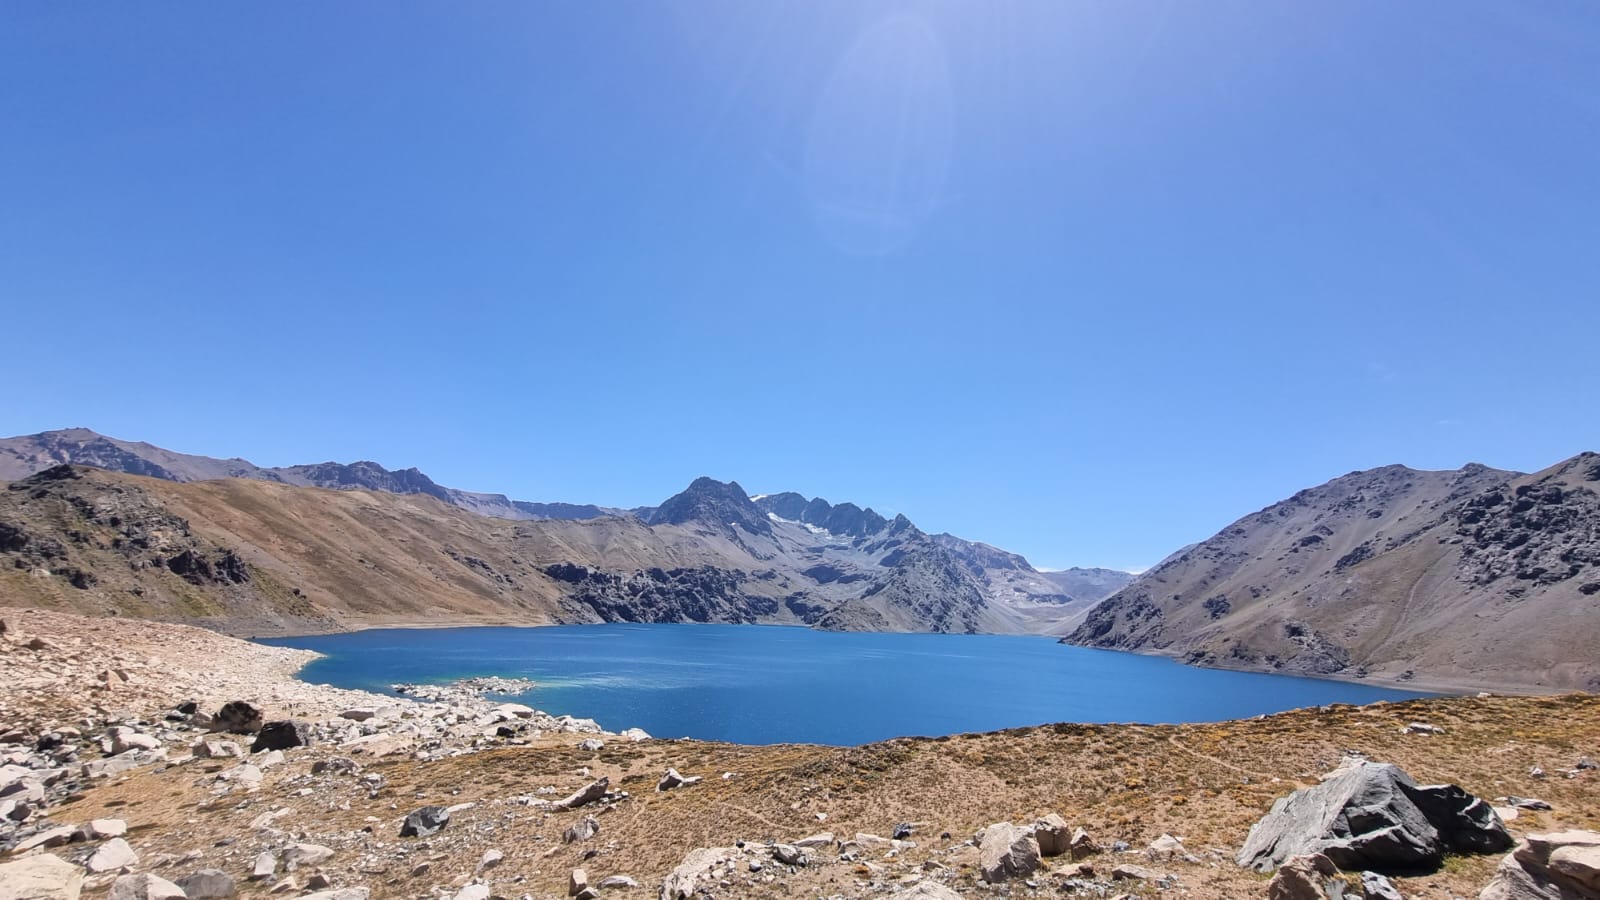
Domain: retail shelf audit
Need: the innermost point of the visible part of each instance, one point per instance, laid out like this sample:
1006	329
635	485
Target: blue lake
762	685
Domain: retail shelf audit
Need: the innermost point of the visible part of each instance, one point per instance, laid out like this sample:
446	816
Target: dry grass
1205	783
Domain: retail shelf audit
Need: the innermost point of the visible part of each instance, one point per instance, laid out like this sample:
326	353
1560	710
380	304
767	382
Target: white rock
145	887
42	877
113	855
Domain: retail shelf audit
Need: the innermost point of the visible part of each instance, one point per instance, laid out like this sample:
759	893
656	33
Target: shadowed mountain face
1475	576
259	556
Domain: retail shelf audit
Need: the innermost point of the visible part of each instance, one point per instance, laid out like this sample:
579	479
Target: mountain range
1471	577
150	532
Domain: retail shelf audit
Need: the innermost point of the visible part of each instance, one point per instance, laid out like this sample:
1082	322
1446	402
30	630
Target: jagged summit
711	502
845	519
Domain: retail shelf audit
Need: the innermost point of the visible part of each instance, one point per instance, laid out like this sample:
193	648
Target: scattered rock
282	735
425	821
101	829
113	855
123	739
1166	848
577	882
1373	816
1563	865
266	866
587	794
208	884
1007	851
1377	887
478	891
490	859
790	855
1131	872
591	745
582	830
42	877
684	881
672	780
237	717
927	890
216	750
1309	877
821	839
305	855
349	893
1081	845
1053	835
145	887
617	881
336	765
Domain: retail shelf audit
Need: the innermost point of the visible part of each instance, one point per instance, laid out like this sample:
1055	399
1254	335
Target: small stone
266	866
306	855
577	882
1131	872
617	881
491	858
584	829
425	821
209	884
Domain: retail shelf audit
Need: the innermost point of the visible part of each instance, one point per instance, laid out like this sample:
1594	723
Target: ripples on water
753	684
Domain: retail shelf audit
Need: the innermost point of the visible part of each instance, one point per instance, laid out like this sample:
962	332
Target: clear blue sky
1085	281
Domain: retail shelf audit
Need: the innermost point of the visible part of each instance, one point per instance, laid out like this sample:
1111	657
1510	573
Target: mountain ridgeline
1469	577
250	549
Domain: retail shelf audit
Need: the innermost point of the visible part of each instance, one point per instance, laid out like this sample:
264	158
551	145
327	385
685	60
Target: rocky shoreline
141	760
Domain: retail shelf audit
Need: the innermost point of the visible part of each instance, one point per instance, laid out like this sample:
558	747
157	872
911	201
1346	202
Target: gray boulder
581	830
1053	834
145	887
1377	887
208	884
1372	816
425	821
1007	851
1563	865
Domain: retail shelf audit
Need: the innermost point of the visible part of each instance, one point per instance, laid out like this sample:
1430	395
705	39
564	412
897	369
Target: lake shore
1204	783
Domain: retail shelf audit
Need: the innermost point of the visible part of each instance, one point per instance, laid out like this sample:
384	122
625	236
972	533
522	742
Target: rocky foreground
140	760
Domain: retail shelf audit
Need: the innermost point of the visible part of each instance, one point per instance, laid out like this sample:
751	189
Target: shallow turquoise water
761	685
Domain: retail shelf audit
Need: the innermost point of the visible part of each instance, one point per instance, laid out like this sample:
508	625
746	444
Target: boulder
1053	835
1310	877
145	887
1081	845
1372	816
216	750
582	830
577	882
790	855
490	859
101	829
281	735
673	779
124	739
425	821
587	794
336	765
42	877
1562	865
1131	872
478	891
208	884
591	745
1007	851
306	855
265	867
617	881
112	855
821	839
237	717
1166	848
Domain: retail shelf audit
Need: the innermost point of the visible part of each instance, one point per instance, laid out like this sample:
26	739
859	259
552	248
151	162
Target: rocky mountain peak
844	519
712	502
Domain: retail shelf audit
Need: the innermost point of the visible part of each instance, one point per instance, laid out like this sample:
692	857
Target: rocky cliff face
260	557
1392	573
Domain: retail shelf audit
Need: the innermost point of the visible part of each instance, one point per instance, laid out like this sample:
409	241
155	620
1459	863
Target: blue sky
1085	281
